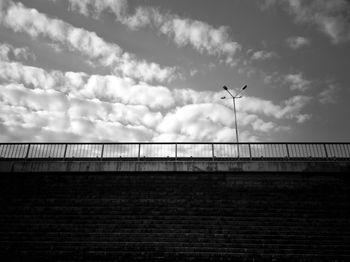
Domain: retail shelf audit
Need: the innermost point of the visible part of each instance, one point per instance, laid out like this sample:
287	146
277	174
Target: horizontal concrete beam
174	166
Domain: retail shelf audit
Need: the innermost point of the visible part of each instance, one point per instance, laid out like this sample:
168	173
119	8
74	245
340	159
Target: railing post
27	154
175	151
65	152
102	149
325	150
139	153
212	151
287	149
250	151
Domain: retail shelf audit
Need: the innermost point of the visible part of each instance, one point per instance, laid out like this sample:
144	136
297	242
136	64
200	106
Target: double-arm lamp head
237	95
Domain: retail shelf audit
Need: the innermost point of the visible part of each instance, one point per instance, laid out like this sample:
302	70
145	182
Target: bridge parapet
176	151
175	157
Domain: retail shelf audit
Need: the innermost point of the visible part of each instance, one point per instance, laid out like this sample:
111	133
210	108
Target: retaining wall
174	166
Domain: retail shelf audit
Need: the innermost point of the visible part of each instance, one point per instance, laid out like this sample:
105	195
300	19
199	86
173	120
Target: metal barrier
175	151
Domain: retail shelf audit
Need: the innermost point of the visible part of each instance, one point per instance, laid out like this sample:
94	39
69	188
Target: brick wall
174	217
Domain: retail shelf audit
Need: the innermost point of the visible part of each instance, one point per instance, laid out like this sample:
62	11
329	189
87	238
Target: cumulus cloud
288	109
206	122
80	85
125	90
330	17
89	44
45	111
251	106
260	125
111	88
297	82
30	76
74	105
201	36
176	122
296	42
8	51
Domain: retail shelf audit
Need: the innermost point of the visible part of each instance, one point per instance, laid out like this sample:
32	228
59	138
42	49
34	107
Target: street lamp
238	95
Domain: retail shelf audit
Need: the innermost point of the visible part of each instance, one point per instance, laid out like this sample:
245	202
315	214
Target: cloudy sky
153	70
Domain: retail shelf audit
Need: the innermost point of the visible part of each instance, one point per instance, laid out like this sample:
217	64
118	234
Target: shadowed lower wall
181	216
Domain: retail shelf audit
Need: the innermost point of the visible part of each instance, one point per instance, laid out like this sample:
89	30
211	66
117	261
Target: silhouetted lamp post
234	109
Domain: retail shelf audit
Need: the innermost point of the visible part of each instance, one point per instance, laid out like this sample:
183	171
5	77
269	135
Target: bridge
175	201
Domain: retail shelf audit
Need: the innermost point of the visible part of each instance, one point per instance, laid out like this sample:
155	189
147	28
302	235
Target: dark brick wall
174	217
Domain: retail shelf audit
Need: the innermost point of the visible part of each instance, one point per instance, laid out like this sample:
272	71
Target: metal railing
176	151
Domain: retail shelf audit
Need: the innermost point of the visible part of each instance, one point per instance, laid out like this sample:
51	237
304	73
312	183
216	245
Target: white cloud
293	81
95	110
193	72
31	109
198	122
4	51
189	96
35	99
288	109
56	112
30	76
87	7
95	107
294	105
327	96
271	78
114	89
201	36
23	53
30	21
297	82
262	126
263	55
211	122
330	17
56	47
143	70
80	85
296	42
111	88
143	16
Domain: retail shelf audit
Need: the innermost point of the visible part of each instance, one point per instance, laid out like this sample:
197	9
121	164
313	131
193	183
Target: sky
153	70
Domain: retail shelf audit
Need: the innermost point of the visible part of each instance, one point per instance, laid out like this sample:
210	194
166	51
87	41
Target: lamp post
238	95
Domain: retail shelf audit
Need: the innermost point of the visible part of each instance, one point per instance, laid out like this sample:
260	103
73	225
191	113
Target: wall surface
174	166
174	216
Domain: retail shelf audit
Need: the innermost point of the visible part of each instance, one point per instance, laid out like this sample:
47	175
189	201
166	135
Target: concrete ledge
174	166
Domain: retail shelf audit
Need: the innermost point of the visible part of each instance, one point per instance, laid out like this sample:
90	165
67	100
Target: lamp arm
230	94
240	92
